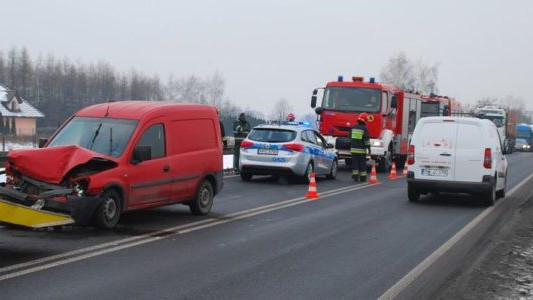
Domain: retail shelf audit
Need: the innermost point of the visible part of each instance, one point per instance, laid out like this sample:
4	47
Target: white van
458	155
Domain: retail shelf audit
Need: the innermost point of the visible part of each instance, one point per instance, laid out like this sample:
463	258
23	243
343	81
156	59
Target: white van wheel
490	197
413	194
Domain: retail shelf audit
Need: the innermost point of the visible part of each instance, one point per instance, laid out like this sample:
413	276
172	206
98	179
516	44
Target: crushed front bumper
16	208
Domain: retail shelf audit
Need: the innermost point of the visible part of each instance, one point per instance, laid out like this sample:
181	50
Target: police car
289	149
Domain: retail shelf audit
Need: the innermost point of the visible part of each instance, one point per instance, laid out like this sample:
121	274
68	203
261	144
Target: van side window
155	138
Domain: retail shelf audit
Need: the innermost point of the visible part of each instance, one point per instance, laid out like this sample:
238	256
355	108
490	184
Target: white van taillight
246	144
411	155
487	160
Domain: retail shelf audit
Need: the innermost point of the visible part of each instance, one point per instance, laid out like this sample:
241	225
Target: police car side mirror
330	146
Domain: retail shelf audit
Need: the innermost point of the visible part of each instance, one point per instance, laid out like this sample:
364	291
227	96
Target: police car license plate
267	151
435	172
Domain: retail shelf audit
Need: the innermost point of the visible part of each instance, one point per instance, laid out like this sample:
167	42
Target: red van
114	157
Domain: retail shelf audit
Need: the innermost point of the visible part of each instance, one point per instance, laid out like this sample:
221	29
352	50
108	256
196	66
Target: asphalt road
263	241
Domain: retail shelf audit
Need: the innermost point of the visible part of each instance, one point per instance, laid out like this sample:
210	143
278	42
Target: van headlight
377	143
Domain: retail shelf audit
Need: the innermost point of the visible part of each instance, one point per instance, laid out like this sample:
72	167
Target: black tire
385	164
490	197
202	203
108	213
348	162
333	172
501	193
246	176
307	176
413	194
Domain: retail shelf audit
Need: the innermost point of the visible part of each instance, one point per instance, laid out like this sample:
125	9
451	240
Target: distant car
522	145
454	154
290	149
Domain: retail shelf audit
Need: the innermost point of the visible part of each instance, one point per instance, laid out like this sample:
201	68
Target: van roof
457	119
138	109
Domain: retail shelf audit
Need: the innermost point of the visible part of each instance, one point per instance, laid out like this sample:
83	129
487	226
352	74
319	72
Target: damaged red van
114	157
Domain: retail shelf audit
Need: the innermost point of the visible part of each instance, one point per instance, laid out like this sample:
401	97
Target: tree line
60	87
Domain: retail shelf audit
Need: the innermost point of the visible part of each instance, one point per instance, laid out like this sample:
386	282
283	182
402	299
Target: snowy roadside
505	271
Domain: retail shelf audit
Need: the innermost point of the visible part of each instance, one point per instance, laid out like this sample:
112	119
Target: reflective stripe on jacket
360	140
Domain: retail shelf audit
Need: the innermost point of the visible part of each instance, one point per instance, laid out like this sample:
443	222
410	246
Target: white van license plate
267	151
435	172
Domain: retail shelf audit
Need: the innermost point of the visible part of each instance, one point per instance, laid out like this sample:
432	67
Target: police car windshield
271	135
351	99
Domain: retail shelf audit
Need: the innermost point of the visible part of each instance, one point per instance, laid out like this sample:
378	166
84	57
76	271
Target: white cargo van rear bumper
427	186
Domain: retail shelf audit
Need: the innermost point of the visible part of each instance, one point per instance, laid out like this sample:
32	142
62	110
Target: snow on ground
14	146
228	161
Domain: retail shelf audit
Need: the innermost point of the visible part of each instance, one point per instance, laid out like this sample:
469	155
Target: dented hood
52	164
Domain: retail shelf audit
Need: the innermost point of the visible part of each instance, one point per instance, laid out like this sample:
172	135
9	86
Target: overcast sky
271	49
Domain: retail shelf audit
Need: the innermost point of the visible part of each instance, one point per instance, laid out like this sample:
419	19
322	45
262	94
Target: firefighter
290	117
241	130
360	144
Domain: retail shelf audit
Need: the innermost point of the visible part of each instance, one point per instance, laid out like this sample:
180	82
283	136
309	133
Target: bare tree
411	76
281	109
399	71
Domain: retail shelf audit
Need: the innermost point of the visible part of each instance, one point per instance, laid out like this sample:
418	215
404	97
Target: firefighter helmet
290	117
363	117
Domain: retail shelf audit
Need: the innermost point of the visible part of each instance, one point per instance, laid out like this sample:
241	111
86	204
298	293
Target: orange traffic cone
373	174
404	172
393	172
312	192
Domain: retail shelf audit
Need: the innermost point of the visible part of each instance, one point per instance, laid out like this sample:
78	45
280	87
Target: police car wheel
310	169
333	172
246	176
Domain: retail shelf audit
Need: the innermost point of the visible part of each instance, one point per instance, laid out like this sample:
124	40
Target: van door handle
166	168
445	154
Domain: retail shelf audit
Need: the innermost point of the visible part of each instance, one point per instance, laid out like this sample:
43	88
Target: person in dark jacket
360	144
241	130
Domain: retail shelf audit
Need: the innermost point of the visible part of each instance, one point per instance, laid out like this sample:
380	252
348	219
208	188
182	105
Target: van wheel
501	193
413	194
333	172
203	202
490	197
107	214
246	176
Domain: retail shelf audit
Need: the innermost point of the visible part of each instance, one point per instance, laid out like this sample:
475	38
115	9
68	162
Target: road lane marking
397	288
97	250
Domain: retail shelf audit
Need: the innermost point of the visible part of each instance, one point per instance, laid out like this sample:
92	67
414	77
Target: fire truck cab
392	113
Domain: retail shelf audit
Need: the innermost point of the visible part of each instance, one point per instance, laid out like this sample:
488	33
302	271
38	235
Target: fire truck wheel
201	205
385	163
107	214
348	162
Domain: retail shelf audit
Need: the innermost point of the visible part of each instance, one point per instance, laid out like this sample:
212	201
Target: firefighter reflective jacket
360	140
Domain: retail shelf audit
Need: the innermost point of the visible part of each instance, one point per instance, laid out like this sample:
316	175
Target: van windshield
102	135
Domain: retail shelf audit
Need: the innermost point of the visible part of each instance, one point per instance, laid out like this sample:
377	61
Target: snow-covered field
228	161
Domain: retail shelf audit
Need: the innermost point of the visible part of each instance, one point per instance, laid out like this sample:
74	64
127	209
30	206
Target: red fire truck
434	105
392	112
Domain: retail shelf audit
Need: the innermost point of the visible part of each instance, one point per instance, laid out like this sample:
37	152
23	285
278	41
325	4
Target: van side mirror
42	142
394	102
141	153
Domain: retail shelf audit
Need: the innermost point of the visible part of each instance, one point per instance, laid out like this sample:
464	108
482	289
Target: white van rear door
436	150
470	151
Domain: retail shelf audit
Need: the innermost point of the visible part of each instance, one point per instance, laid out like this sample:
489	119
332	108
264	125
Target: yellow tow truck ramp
21	215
